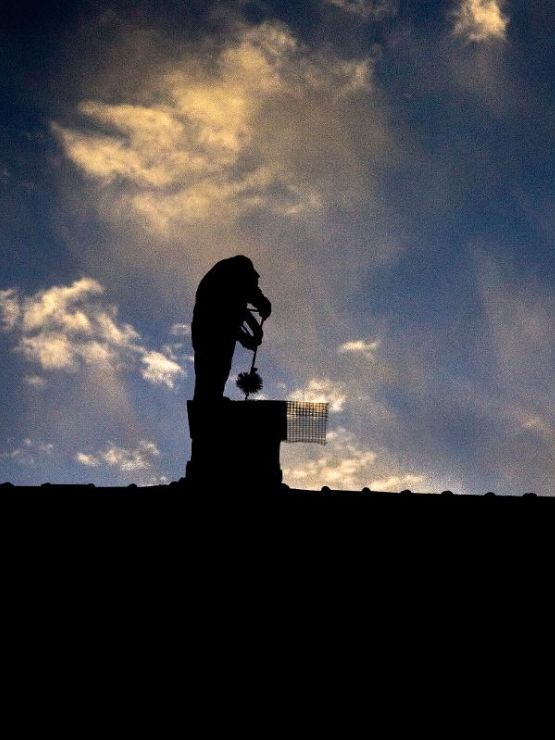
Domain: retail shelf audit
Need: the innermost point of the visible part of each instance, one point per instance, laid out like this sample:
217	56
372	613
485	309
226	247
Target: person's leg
212	368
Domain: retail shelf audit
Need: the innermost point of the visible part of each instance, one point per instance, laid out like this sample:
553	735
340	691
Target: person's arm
250	332
259	301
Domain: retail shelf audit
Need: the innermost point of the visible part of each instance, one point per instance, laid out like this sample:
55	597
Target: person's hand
248	340
265	309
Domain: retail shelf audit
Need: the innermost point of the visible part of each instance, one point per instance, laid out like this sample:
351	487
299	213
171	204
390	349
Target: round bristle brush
251	382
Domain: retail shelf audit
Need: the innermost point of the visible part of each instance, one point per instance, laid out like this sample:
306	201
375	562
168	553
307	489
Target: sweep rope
256	350
251	375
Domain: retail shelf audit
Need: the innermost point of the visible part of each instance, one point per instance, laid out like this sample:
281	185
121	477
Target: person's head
245	277
243	264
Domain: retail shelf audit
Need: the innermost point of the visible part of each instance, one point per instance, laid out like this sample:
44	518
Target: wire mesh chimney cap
307	422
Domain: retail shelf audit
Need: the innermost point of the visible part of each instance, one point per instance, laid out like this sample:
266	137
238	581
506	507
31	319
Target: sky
387	165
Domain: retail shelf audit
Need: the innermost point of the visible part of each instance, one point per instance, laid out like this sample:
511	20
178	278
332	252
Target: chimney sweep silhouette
220	319
237	443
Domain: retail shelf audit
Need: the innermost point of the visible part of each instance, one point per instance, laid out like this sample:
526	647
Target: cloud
480	20
89	460
35	381
200	148
29	452
125	460
180	330
322	390
67	327
159	369
367	9
345	465
9	309
359	347
50	350
396	482
56	306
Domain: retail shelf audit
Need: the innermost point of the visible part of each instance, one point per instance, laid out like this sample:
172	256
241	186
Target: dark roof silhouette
276	495
170	534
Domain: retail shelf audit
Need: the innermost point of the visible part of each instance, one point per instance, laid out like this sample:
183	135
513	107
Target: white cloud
175	349
321	390
85	459
480	20
539	425
29	452
160	370
66	327
9	309
180	330
366	9
396	482
35	381
345	465
359	347
12	454
134	460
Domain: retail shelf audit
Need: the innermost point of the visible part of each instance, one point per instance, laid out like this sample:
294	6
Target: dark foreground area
191	547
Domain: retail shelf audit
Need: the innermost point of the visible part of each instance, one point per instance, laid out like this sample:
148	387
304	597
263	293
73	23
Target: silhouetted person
218	322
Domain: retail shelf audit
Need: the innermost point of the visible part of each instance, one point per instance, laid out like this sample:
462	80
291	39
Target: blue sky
388	166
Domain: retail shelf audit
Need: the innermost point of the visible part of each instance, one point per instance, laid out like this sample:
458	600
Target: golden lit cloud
344	464
480	20
51	350
204	147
